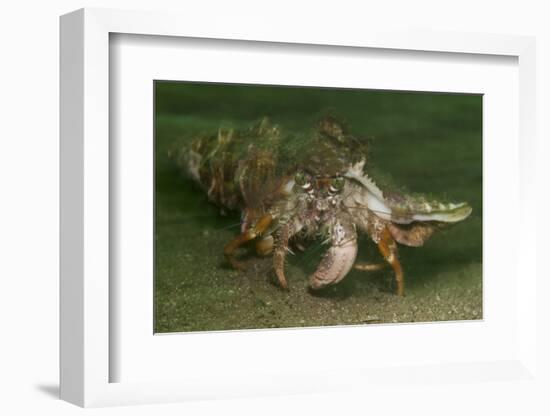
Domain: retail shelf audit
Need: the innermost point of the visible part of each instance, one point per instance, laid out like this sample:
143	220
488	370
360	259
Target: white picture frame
85	211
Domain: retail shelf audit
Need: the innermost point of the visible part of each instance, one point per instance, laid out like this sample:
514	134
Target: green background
427	142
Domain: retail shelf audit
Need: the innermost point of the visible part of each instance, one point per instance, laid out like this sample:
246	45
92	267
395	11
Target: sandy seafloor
426	142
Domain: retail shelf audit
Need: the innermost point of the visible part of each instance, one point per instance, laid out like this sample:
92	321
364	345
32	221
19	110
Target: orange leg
388	248
255	231
279	255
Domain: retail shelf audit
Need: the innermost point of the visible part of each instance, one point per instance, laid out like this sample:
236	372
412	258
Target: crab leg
281	247
388	248
255	231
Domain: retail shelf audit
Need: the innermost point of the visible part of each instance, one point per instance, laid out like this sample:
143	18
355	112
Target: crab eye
300	179
337	184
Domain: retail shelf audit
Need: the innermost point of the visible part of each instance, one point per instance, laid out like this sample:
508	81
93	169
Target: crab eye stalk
337	184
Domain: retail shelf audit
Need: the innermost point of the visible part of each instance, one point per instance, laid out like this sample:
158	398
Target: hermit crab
293	187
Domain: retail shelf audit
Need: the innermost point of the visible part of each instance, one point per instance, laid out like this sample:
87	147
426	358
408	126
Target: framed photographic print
269	214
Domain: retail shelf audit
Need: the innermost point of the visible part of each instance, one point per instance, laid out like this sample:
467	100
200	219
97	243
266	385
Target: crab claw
339	258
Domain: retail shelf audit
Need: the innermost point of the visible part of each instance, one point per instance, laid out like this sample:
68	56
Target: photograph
291	206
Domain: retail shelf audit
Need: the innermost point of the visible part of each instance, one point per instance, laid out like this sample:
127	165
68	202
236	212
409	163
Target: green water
429	143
